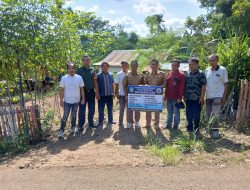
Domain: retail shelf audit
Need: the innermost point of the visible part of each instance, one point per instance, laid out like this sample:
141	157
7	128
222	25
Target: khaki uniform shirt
157	79
130	79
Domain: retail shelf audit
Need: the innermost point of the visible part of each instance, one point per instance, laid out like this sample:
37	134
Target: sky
132	13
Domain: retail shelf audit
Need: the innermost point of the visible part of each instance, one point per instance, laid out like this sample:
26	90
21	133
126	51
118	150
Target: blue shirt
105	84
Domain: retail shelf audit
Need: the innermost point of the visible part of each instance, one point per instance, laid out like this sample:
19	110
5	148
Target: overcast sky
131	13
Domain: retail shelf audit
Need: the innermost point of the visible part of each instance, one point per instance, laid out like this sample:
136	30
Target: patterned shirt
194	82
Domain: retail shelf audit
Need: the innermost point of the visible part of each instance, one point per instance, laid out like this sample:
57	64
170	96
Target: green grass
173	151
171	155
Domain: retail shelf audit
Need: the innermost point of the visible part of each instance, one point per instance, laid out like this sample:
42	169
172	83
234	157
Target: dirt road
108	178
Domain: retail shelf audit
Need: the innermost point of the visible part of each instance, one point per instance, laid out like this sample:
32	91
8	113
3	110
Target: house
115	58
166	67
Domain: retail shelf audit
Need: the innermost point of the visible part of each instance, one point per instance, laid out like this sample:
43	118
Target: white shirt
71	85
215	82
119	78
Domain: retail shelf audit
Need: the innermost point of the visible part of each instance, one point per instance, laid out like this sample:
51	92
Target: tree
154	23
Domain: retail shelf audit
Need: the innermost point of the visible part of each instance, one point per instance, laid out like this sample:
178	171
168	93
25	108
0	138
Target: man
71	89
216	90
106	88
119	92
175	86
132	78
194	95
91	91
154	78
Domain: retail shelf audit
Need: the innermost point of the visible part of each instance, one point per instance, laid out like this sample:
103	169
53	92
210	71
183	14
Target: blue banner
145	98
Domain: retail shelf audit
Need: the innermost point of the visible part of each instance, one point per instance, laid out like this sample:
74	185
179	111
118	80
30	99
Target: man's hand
223	100
61	103
126	98
97	96
83	101
201	101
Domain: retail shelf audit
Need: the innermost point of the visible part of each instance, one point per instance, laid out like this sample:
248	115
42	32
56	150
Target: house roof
117	56
183	67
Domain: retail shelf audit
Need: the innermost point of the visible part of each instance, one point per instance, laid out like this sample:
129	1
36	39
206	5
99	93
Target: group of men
82	86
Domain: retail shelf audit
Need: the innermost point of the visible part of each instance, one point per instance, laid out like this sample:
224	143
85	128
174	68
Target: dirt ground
116	158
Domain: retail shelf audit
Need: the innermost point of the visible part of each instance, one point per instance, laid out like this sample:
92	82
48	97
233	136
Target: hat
180	105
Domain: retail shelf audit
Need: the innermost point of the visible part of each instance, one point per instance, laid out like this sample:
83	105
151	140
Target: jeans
213	107
90	100
67	109
173	112
105	100
122	103
193	112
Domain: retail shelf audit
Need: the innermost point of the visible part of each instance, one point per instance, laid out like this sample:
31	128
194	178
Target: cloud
111	11
149	7
174	21
67	3
129	25
94	8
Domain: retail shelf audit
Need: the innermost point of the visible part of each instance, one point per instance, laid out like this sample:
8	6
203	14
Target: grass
172	152
171	155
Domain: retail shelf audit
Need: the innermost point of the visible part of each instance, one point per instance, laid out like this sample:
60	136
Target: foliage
47	122
169	154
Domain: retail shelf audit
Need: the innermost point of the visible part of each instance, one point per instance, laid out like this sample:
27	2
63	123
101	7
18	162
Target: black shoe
93	126
99	124
175	127
168	127
111	123
80	129
190	130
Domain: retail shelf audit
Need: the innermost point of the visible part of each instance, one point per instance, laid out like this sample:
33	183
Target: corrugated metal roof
117	56
183	67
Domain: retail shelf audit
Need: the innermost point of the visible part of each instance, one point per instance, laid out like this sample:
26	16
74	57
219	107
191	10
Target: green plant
150	140
169	154
190	145
47	122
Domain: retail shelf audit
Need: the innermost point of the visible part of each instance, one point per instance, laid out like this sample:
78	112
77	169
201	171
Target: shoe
167	127
137	125
60	134
156	127
93	126
111	123
176	127
128	126
121	125
99	124
72	130
78	130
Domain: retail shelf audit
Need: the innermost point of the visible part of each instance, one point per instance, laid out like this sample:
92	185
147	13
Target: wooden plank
38	120
18	120
248	102
239	109
4	128
1	132
244	100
